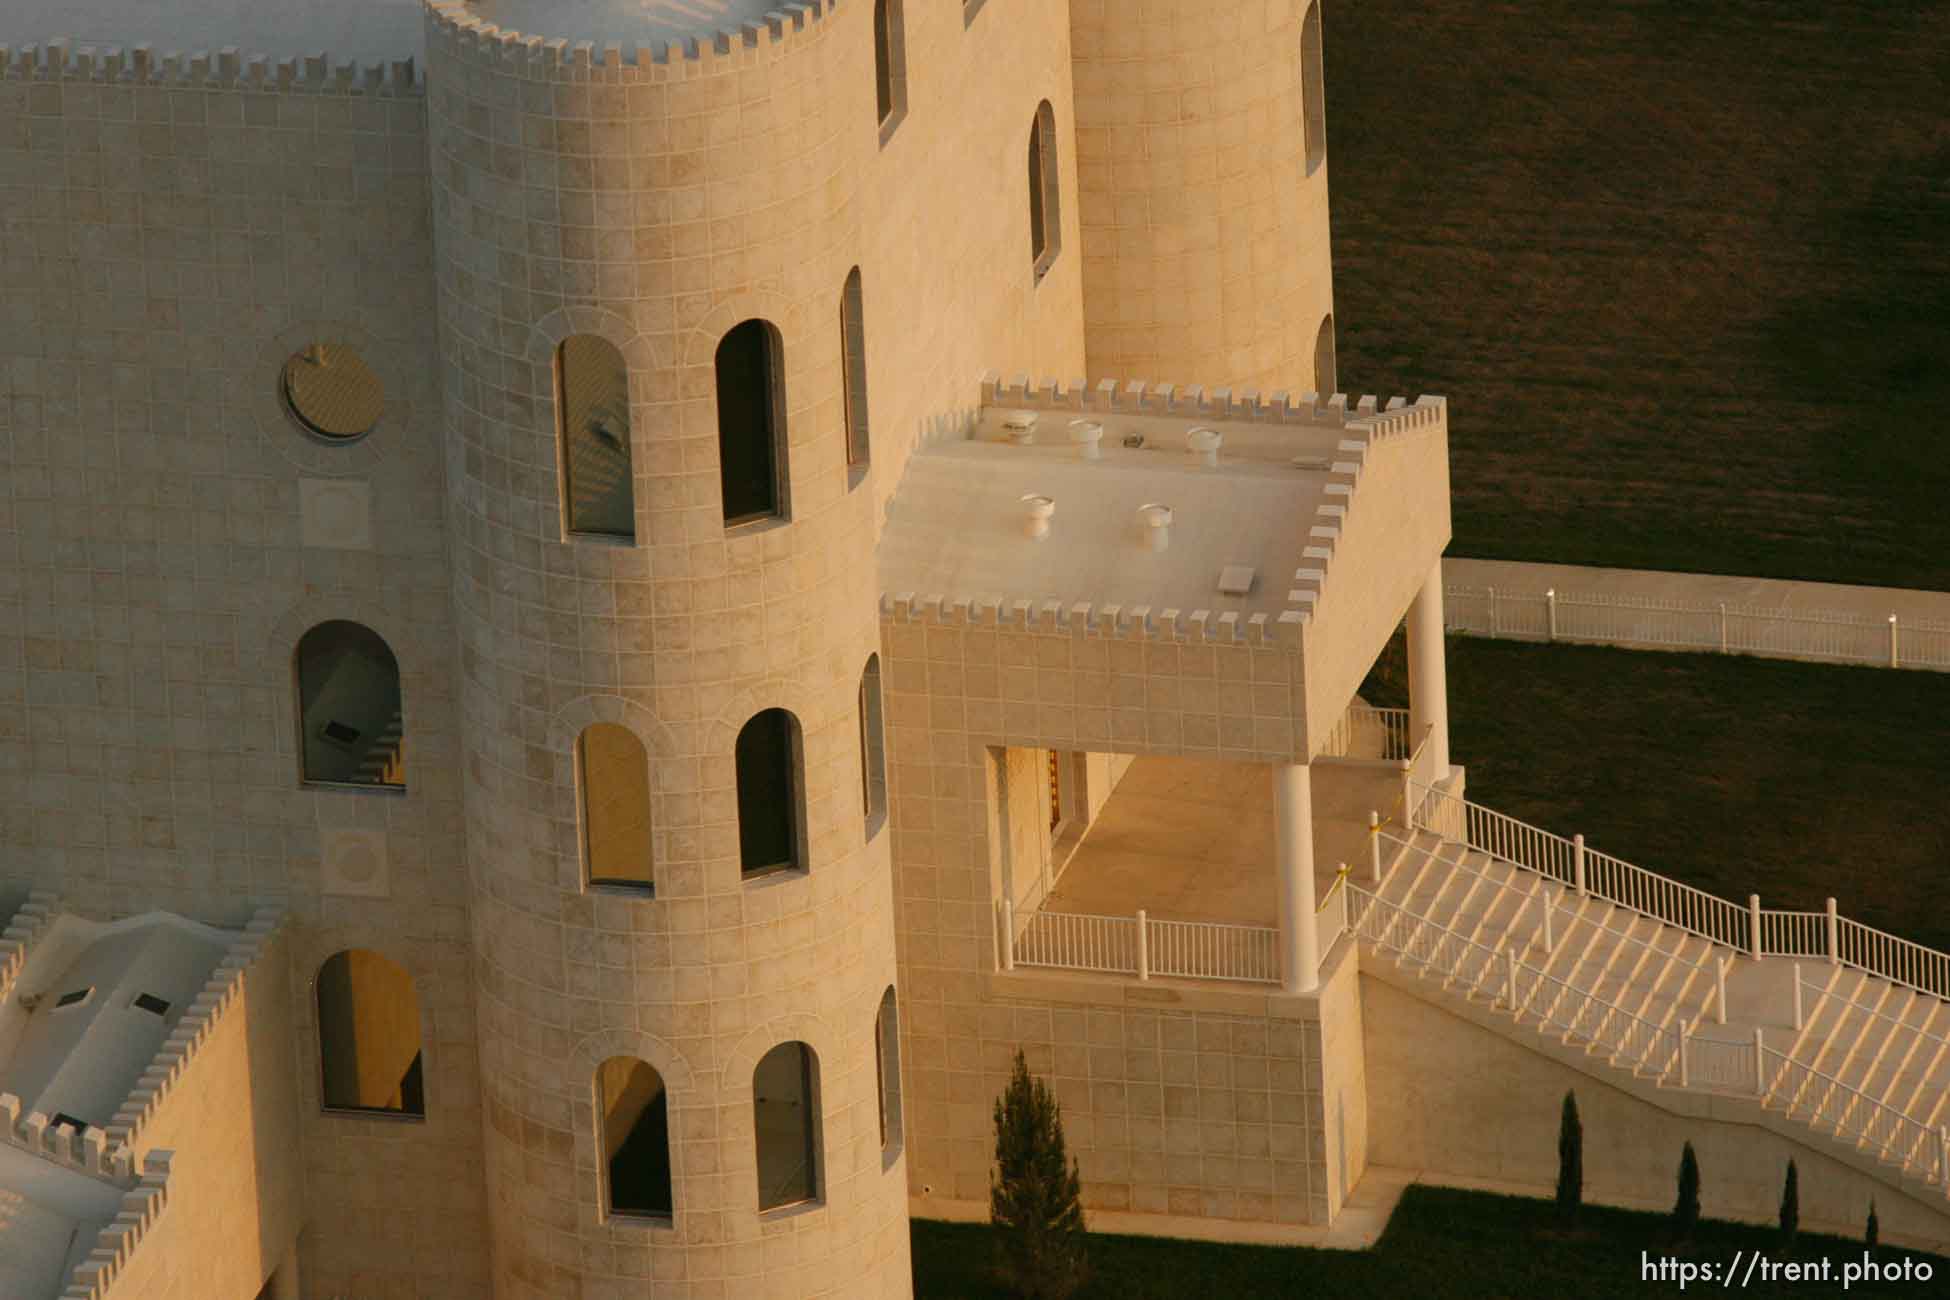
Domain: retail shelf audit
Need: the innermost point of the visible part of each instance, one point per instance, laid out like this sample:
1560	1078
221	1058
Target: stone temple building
604	608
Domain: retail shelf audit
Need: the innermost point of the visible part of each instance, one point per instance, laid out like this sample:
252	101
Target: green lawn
1738	775
1682	269
1440	1245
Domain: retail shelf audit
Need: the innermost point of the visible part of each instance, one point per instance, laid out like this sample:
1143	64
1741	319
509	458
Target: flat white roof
956	526
84	1059
627	22
49	1220
362	31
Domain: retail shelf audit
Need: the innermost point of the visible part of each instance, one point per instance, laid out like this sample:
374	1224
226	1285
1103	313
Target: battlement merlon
228	68
463	33
1141	397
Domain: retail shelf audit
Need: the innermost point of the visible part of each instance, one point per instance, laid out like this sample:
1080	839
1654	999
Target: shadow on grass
1441	1244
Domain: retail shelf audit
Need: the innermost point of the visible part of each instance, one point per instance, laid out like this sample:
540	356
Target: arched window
771	798
369	1035
613	770
635	1112
1313	88
873	748
887	1074
889	65
751	422
592	396
853	374
350	719
1045	217
785	1113
1324	376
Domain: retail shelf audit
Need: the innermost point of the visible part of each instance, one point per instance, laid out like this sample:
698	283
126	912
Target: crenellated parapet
222	991
697	55
1087	619
1140	397
94	1277
18	939
62	60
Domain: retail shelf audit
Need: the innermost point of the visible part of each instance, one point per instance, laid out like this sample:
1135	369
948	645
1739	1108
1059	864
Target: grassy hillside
1683	270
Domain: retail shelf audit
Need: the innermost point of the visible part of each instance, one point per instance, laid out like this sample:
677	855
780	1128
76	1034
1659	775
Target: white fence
1751	929
1671	1054
1379	735
1138	945
1820	635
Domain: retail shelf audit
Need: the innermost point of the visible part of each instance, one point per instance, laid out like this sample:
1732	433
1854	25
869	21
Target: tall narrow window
887	1073
853	374
771	813
751	422
1324	376
873	748
889	65
592	394
1313	88
613	770
1045	219
369	1035
350	719
785	1111
635	1112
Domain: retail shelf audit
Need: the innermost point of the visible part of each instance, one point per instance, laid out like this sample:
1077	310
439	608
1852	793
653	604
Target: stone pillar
1428	684
1293	821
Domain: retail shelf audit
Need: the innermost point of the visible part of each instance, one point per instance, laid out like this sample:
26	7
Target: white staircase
1859	1058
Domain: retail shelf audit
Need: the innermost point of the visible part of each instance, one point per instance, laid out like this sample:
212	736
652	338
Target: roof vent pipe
1020	426
1086	434
1157	524
1204	444
1036	511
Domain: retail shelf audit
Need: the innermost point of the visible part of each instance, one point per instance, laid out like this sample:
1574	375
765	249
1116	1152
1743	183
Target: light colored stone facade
176	228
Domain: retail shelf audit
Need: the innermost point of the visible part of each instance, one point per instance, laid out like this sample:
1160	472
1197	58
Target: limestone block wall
1382	540
658	197
175	230
231	1125
1174	1102
1180	1102
1456	1099
1205	241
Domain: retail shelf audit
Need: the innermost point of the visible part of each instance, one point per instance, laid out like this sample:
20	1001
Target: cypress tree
1791	1205
1035	1194
1685	1211
1570	1160
1873	1236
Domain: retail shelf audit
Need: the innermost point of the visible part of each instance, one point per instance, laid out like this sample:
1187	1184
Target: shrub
1872	1237
1034	1195
1570	1160
1685	1211
1791	1205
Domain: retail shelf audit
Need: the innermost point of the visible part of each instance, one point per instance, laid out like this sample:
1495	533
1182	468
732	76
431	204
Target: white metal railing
1758	931
1557	1005
1140	945
1715	1065
1330	919
1824	1102
1667	1053
1364	732
1822	635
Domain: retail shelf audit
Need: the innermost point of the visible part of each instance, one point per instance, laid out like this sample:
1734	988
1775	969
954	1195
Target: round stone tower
644	204
1201	155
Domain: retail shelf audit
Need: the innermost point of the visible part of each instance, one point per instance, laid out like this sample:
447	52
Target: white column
1428	676
1293	838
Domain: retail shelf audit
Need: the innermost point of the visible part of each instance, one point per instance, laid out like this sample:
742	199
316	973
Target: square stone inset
353	864
336	513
